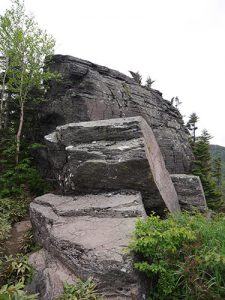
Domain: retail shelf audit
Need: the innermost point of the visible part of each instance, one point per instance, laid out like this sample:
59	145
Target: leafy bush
80	291
13	209
28	244
183	255
15	292
15	269
16	180
23	178
4	229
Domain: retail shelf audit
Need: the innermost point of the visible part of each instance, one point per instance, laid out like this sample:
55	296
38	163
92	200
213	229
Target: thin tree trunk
21	101
6	118
2	108
18	135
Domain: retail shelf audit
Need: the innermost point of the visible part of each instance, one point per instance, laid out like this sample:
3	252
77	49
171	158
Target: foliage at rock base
15	269
81	291
29	244
183	256
15	273
15	292
20	179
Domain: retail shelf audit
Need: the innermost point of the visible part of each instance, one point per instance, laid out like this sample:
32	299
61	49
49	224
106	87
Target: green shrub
80	291
19	179
4	229
183	256
15	292
28	244
13	209
15	269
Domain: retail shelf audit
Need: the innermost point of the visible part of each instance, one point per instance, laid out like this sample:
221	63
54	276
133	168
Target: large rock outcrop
91	92
87	235
122	151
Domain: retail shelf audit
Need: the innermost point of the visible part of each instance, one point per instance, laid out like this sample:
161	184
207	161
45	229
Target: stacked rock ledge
90	157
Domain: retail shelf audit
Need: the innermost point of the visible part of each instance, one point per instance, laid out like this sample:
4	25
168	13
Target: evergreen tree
149	83
191	125
202	168
175	101
137	77
217	171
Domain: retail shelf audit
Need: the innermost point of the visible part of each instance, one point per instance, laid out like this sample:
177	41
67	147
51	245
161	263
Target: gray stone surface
92	245
190	192
113	154
49	276
91	92
122	204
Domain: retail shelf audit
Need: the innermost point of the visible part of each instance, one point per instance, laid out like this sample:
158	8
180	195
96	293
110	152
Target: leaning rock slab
112	154
89	234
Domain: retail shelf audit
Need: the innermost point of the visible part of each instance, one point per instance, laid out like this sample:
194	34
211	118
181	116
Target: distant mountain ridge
218	151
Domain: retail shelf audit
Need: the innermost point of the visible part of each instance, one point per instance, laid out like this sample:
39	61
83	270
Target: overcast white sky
179	43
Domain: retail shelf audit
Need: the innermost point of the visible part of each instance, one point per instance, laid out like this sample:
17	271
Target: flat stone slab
125	204
89	235
115	154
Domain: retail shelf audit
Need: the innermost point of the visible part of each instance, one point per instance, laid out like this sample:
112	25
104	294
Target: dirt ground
14	242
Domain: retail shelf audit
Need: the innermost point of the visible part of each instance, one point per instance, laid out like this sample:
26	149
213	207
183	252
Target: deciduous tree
24	48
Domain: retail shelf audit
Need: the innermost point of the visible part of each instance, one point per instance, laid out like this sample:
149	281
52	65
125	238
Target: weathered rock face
190	192
88	235
49	277
115	154
91	92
